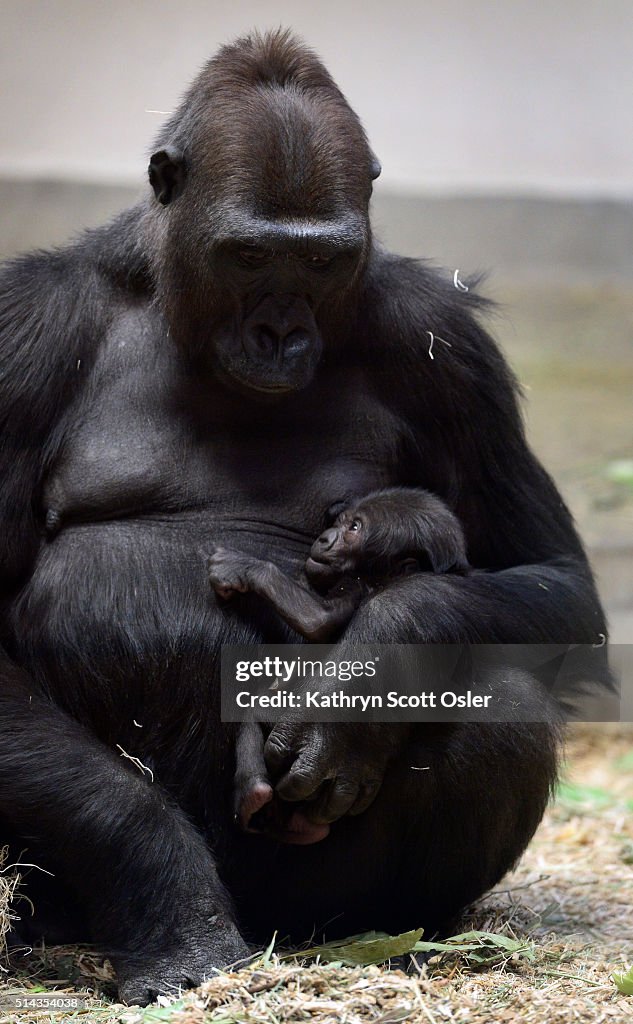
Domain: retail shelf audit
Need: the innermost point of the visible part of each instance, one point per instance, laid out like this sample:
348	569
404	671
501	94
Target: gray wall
502	127
488	96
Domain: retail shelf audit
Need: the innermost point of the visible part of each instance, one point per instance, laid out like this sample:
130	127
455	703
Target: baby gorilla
387	534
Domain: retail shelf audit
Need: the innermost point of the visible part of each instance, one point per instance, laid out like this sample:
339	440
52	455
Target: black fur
410	523
389	533
155	399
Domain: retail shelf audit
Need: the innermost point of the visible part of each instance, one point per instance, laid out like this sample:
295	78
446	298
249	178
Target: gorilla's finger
336	801
302	781
367	793
280	751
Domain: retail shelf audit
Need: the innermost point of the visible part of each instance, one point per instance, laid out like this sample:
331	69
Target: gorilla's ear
167	174
447	555
406	567
375	167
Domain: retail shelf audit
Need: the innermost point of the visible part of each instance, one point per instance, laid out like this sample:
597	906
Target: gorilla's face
265	235
339	549
270	338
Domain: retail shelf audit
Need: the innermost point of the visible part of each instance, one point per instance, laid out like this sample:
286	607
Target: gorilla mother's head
262	180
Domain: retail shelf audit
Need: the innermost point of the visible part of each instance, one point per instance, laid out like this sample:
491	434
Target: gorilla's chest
140	443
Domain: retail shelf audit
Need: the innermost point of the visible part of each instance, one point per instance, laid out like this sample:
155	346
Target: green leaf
624	982
377	947
479	947
625	763
620	471
574	793
367	948
268	952
162	1014
578	797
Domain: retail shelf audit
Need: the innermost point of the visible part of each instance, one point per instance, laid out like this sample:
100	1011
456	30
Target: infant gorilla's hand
229	571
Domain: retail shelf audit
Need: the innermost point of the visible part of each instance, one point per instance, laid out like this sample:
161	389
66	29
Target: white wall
487	95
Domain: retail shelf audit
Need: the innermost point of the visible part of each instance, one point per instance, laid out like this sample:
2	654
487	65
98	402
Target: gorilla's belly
119	600
124	610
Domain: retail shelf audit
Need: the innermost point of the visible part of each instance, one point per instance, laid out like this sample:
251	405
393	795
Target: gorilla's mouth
244	378
250	377
271	380
270	389
318	561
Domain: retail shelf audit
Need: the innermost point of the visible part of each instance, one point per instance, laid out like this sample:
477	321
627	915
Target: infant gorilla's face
339	549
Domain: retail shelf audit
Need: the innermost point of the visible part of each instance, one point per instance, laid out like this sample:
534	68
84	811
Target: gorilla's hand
230	571
337	767
193	955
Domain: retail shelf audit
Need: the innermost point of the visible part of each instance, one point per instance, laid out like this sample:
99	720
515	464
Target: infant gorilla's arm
384	535
315	618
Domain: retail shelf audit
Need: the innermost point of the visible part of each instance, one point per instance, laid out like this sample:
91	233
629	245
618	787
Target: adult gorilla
224	362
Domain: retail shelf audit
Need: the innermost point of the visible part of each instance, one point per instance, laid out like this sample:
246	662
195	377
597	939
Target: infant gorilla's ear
407	566
335	509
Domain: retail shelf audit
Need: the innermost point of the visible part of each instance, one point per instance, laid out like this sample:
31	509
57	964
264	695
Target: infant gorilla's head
389	533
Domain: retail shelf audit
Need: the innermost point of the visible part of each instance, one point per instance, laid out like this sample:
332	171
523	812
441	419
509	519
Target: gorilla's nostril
266	340
295	342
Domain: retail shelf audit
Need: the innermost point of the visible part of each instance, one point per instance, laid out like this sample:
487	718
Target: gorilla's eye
253	257
318	262
355	526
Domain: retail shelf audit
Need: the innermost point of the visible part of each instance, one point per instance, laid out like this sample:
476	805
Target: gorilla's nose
265	341
281	329
325	541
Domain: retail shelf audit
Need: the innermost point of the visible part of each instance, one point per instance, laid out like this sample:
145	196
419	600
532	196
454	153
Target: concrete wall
495	97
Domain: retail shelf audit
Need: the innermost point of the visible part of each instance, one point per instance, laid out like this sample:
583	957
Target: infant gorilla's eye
355	526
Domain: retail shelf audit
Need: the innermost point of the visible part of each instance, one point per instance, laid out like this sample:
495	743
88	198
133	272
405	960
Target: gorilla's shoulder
406	283
420	307
105	258
55	309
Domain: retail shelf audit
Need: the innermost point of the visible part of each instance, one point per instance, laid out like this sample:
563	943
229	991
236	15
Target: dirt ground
569	904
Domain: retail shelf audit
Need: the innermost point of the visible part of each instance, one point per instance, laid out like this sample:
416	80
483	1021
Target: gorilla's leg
135	863
467	816
456	809
438	837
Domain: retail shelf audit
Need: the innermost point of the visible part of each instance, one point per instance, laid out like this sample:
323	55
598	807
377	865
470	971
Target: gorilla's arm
534	584
103	828
315	618
43	343
469	446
